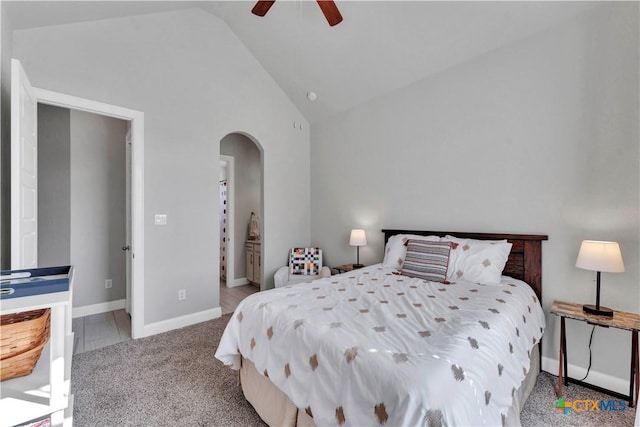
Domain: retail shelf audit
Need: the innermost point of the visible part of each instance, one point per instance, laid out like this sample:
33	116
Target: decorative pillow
427	260
305	261
479	261
396	248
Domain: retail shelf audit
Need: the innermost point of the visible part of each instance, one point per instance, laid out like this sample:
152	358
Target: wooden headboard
525	259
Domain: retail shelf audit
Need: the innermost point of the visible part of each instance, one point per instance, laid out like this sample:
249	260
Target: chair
305	265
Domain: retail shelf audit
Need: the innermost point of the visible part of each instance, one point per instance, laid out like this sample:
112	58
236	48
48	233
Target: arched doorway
241	198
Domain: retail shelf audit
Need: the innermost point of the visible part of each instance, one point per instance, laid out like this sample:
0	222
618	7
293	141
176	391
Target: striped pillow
427	260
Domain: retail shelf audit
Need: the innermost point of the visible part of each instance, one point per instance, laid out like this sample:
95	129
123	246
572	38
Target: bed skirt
276	409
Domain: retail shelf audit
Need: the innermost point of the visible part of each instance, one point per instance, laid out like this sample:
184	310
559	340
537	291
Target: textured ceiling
379	47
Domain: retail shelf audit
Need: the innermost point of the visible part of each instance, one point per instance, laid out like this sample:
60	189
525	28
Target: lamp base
356	266
601	311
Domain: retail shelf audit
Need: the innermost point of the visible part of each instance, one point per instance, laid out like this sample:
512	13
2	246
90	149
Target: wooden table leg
561	357
564	350
637	368
634	381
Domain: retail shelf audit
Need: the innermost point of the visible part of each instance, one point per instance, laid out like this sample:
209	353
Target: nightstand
620	320
344	268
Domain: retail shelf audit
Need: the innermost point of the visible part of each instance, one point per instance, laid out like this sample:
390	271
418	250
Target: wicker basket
22	337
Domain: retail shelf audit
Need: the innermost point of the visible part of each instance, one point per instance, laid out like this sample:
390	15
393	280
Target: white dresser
47	390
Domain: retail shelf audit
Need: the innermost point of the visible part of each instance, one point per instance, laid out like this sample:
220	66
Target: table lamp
599	256
357	239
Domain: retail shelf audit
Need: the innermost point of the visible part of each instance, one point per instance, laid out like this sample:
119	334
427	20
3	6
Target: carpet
169	379
539	410
173	379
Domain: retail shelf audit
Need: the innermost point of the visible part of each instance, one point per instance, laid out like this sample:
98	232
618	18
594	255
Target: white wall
6	49
247	192
195	83
538	137
98	207
54	186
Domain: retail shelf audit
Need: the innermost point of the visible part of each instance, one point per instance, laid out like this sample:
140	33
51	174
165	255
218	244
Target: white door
24	170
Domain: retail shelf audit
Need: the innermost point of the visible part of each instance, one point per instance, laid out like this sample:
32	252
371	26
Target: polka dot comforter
372	347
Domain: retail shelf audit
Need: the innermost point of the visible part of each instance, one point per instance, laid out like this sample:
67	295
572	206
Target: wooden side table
620	320
344	268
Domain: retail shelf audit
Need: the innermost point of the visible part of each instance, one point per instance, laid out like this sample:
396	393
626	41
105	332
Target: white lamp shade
358	238
600	256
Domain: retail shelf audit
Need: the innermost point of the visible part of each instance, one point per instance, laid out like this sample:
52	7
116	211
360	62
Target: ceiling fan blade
262	7
330	11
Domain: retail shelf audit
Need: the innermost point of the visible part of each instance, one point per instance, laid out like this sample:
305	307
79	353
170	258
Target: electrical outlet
182	294
108	283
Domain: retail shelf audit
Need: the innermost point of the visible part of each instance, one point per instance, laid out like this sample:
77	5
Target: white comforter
372	347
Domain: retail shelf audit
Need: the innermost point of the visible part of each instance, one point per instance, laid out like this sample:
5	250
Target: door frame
127	163
231	256
136	119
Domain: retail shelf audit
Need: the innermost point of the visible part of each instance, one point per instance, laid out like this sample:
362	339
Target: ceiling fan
328	7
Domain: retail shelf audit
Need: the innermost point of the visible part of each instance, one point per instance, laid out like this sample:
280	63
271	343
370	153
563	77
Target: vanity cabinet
254	262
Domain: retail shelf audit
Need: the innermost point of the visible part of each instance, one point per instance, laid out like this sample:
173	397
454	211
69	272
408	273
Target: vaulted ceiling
379	47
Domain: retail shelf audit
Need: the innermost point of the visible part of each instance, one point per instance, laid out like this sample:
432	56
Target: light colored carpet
169	379
173	379
539	410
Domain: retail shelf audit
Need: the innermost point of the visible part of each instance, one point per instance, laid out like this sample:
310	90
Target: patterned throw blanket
372	347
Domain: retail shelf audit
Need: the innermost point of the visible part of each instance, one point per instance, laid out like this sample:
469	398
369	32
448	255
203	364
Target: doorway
135	120
83	183
244	176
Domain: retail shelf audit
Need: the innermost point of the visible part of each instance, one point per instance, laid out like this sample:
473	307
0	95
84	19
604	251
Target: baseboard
596	378
181	322
237	282
103	307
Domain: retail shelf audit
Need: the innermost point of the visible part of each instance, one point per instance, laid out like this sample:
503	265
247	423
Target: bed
378	347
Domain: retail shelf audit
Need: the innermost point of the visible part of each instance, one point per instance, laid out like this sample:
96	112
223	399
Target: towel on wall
254	227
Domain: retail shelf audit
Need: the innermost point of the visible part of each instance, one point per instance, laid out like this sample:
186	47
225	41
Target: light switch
160	219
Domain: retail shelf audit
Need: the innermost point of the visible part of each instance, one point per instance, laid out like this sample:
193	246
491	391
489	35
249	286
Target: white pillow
479	261
396	250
